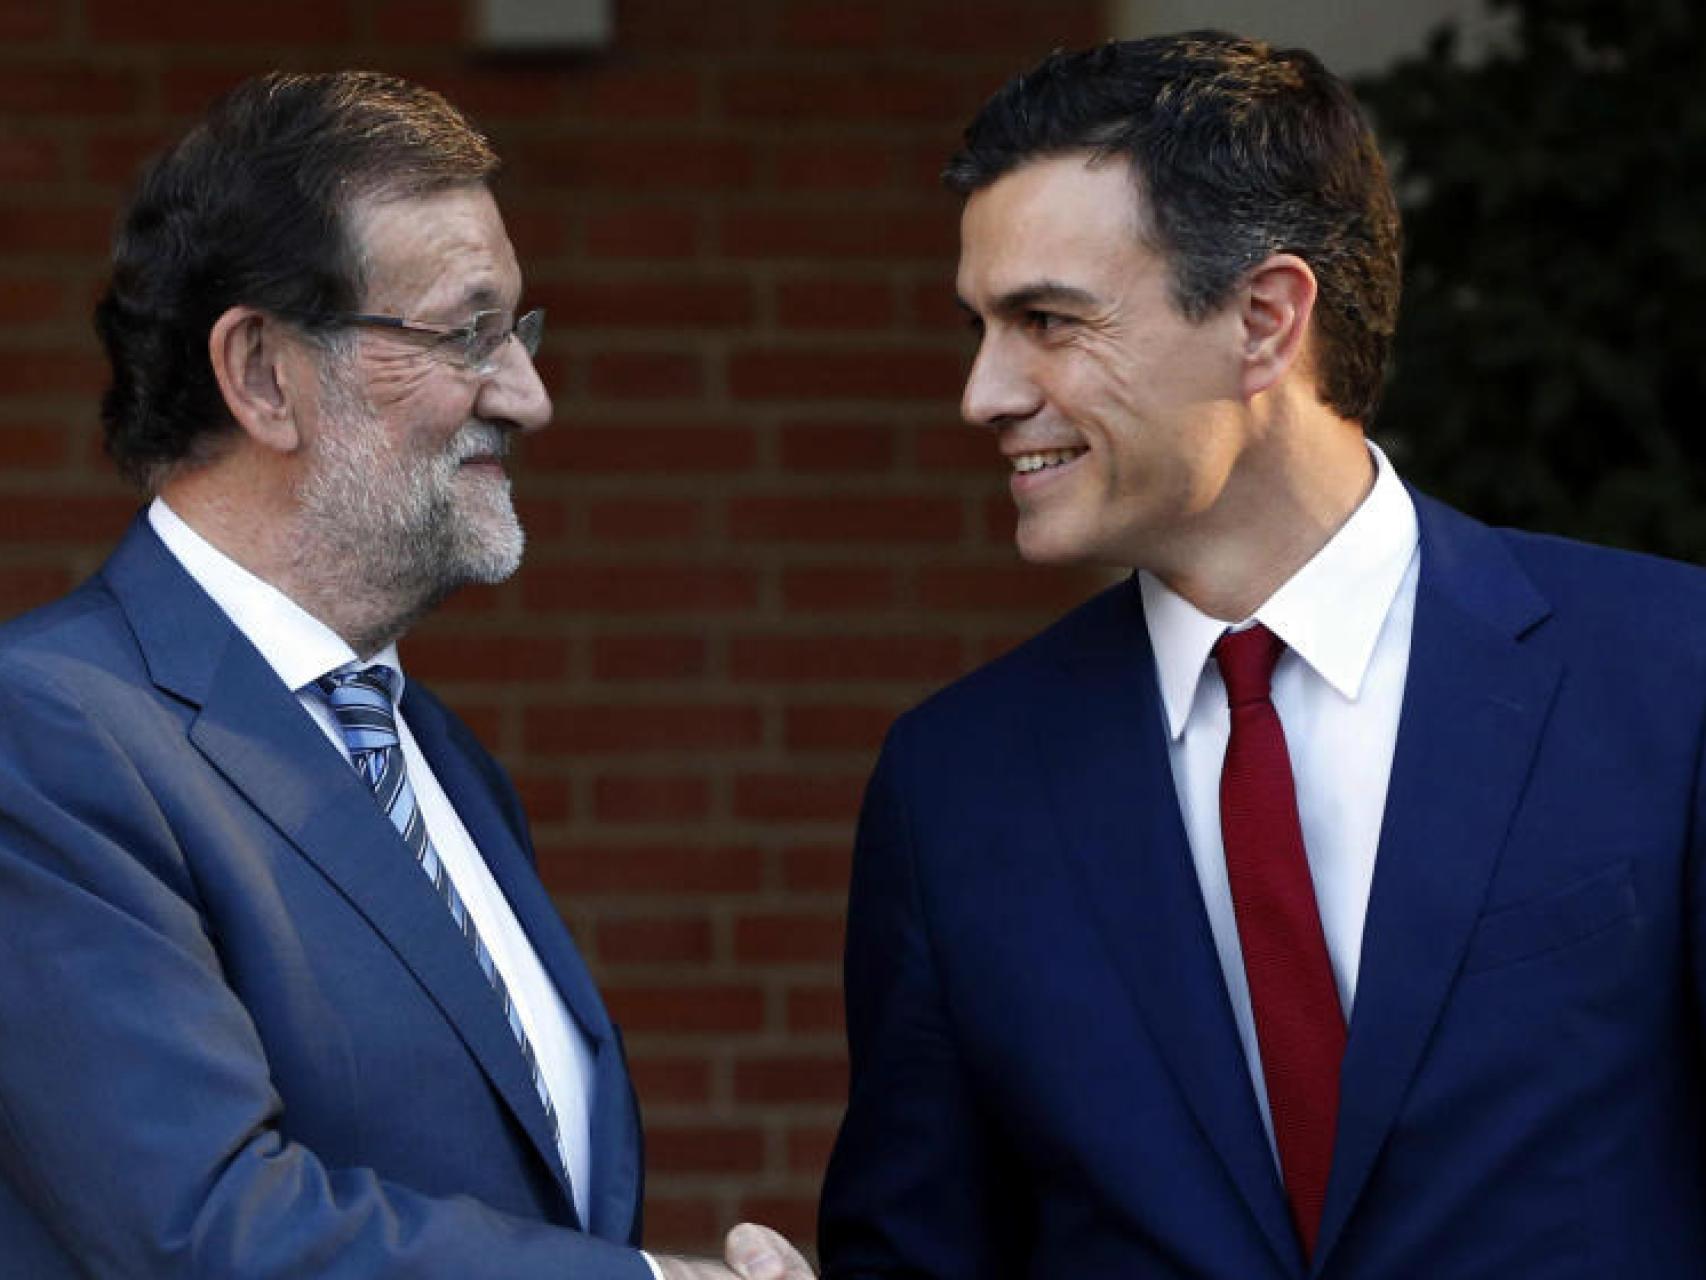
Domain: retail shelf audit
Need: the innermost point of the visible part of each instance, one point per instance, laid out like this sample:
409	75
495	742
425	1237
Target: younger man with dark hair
1327	898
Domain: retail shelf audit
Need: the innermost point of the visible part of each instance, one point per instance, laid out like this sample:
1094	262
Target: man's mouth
482	446
1043	459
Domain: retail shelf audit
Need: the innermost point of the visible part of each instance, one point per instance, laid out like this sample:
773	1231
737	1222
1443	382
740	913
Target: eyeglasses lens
492	328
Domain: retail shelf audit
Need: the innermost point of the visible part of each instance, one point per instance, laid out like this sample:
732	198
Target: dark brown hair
1239	150
251	207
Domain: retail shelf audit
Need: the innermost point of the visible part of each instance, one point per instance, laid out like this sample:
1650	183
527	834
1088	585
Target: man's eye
1043	322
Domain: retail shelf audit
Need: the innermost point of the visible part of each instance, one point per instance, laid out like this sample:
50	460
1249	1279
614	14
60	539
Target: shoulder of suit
1577	574
1110	620
76	627
1572	582
1628	618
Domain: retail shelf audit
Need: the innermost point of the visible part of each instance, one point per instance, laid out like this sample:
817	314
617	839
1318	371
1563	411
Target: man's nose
514	392
997	389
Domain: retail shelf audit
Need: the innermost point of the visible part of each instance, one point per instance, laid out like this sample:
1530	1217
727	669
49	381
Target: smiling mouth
1025	463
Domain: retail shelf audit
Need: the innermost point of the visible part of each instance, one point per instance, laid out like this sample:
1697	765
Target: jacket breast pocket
1528	930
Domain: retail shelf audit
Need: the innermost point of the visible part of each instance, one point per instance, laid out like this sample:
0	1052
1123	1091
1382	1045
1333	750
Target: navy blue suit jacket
1047	1081
239	1033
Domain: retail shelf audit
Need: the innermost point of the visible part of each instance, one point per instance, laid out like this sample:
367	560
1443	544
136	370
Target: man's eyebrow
483	297
1044	293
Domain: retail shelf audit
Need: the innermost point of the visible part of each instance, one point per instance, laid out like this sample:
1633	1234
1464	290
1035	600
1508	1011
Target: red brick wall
757	529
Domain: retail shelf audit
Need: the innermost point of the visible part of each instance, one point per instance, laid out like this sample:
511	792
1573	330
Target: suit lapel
254	732
618	1185
1104	752
1475	702
504	845
503	842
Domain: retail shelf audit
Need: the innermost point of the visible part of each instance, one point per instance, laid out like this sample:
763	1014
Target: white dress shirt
1345	618
301	649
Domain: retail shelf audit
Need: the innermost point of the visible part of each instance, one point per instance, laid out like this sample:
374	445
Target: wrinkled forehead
435	255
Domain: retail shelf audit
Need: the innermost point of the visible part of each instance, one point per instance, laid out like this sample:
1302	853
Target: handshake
751	1252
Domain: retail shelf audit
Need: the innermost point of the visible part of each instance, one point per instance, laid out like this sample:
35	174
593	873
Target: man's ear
251	353
1278	300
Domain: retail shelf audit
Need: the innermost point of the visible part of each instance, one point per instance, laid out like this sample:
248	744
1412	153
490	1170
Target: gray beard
386	538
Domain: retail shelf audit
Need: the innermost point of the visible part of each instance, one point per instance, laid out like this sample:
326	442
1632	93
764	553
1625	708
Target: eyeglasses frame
527	329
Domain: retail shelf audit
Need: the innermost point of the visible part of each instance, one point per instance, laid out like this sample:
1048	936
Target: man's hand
752	1252
758	1253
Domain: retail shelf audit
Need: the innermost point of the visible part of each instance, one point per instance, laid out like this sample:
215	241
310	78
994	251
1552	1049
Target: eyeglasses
475	344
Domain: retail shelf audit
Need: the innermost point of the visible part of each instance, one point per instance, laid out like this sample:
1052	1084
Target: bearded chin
445	530
486	533
405	532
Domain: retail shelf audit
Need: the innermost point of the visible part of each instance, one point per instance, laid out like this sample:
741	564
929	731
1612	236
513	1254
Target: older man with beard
282	994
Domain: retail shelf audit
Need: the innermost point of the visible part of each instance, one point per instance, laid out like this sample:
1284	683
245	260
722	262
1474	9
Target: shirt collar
1330	612
295	644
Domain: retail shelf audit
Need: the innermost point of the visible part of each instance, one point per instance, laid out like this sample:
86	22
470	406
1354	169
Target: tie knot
1247	659
361	700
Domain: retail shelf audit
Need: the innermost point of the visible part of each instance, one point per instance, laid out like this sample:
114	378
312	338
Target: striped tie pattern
361	699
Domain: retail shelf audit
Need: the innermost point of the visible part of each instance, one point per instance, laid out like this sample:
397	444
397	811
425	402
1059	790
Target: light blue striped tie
361	701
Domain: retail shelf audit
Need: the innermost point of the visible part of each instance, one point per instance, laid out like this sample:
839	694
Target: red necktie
1299	1025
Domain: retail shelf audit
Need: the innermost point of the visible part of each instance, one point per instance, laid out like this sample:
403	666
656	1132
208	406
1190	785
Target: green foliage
1551	355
